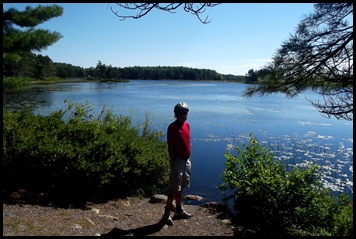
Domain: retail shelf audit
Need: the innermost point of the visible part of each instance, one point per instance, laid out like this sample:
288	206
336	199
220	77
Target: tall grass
15	83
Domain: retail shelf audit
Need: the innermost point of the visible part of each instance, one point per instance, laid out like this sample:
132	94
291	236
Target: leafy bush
273	201
73	150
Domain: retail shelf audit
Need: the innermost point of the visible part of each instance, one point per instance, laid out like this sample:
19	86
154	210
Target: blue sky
240	36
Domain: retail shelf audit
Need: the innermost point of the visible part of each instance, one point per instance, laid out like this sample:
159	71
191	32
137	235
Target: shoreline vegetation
103	73
18	83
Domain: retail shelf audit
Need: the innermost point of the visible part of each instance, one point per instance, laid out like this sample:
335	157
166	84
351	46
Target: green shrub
75	151
273	201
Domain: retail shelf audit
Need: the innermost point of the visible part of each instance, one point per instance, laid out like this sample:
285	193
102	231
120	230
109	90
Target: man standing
178	139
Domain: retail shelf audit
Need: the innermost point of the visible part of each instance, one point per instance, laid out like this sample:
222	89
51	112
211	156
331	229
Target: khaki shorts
179	176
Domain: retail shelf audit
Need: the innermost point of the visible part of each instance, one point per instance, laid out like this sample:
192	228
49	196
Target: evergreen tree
20	38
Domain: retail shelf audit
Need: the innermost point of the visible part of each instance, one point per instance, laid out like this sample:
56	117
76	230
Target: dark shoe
167	219
183	214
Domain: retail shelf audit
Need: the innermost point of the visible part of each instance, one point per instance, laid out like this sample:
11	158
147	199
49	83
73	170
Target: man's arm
171	152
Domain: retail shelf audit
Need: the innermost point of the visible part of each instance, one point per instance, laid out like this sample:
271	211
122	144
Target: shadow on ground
140	231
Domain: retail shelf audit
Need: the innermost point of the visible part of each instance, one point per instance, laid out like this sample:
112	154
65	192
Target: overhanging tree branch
143	9
319	56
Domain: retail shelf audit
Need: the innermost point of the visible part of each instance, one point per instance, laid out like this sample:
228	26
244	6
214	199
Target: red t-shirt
179	135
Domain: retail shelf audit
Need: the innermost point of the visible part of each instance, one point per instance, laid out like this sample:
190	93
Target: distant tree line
39	67
157	73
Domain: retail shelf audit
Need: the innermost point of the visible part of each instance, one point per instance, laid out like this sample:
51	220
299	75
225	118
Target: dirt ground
119	217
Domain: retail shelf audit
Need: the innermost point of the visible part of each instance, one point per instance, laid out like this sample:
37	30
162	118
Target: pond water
220	119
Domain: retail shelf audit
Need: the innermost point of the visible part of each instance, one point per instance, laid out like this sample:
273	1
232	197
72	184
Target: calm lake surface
220	118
